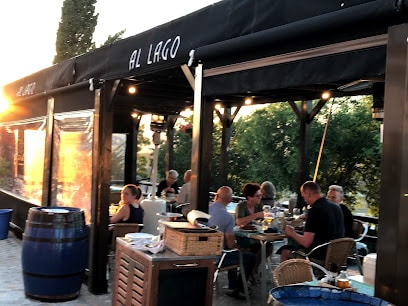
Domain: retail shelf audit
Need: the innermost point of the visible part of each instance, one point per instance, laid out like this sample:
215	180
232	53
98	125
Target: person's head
172	176
310	192
130	193
335	194
268	190
224	195
252	193
187	176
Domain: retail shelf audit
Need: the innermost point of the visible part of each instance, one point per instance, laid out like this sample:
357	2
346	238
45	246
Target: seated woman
130	210
247	211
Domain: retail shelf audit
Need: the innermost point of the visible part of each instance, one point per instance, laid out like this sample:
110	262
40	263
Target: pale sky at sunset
28	28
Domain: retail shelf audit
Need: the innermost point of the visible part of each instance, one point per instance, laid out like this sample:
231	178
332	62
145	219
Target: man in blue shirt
225	222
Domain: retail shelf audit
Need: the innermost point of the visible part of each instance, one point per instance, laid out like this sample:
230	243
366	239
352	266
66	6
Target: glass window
22	146
72	161
118	158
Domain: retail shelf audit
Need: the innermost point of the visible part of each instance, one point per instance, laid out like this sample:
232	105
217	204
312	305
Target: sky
28	28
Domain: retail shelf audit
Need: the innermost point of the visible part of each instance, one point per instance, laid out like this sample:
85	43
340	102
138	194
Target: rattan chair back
292	271
121	229
338	250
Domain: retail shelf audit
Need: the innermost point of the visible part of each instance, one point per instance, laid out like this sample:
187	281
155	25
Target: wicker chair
338	250
239	266
119	230
294	271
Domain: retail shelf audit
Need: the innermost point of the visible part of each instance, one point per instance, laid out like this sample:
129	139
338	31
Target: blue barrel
54	253
5	215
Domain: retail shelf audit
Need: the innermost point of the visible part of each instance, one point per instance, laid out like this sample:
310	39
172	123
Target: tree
352	152
264	146
76	28
112	38
182	149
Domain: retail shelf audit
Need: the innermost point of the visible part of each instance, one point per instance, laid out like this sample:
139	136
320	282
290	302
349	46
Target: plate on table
272	234
139	240
137	236
248	228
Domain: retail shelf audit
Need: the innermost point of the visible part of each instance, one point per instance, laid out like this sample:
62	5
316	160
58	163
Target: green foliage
182	150
264	146
112	38
352	152
76	28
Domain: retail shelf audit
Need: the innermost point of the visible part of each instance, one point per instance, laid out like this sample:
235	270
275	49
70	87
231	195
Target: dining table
263	239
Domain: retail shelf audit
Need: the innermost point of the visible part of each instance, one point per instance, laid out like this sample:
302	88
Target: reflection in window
72	161
22	145
118	158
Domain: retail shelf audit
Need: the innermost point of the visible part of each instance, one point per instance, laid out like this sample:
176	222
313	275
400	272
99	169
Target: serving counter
163	279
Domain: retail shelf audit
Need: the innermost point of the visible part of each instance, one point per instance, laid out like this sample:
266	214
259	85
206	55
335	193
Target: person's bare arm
230	240
305	240
245	220
120	214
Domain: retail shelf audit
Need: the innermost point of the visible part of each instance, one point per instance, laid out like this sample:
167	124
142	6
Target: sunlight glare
4	104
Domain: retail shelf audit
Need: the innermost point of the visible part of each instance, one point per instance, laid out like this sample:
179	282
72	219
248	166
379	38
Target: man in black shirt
169	185
324	223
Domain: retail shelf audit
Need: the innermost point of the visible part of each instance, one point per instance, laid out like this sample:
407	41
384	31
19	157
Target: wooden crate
195	242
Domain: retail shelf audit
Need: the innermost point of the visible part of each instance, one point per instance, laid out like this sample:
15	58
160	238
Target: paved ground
12	287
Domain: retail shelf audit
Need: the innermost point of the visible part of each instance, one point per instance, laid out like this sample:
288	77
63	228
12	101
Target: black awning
301	79
226	23
364	20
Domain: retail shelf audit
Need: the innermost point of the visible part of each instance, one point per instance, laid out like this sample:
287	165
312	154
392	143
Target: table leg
263	278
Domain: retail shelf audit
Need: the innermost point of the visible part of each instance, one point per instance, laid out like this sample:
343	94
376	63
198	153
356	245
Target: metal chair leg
244	280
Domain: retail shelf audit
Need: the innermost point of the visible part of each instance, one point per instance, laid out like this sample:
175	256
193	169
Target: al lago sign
162	51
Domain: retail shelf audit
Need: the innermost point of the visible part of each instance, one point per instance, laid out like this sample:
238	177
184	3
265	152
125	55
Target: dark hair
135	190
250	189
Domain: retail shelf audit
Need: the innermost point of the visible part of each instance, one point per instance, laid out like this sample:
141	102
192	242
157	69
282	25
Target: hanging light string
322	143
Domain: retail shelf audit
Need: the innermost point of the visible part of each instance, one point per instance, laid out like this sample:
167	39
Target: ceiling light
248	100
132	89
326	95
158	123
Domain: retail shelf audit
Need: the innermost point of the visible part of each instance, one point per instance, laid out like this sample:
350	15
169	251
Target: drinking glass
268	214
296	213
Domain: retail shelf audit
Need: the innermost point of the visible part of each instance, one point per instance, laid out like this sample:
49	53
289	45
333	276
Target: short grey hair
268	189
337	188
173	172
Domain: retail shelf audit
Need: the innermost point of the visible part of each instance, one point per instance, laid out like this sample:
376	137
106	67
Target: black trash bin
54	253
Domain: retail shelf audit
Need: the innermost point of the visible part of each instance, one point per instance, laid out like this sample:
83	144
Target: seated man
324	223
168	185
336	195
225	222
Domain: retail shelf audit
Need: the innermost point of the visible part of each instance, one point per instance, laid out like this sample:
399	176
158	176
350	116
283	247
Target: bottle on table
333	274
342	280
